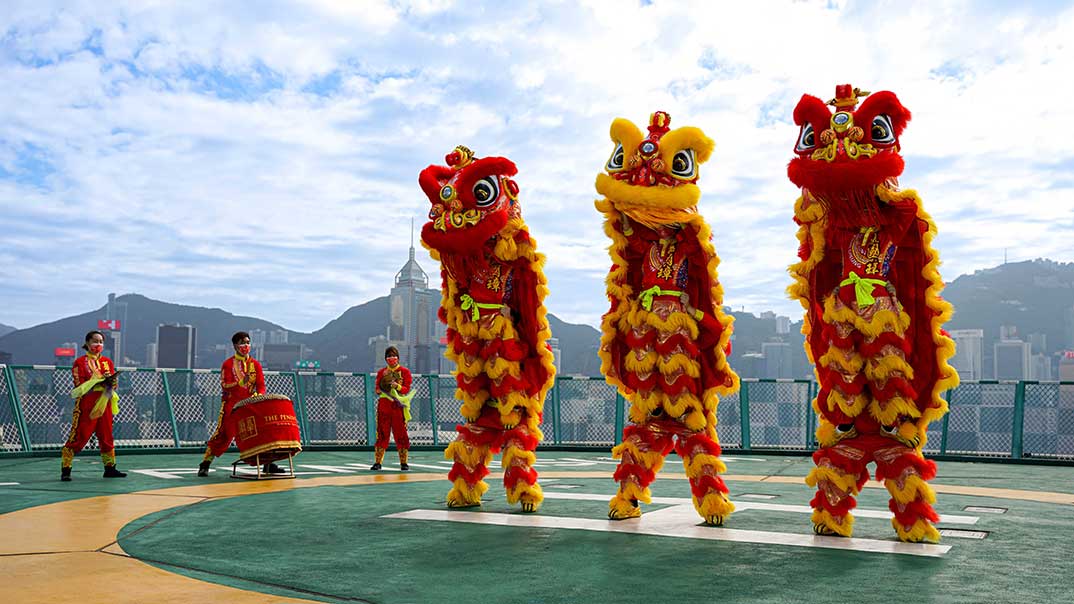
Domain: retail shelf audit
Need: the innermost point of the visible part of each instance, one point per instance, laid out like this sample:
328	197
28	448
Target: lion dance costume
867	279
665	339
497	333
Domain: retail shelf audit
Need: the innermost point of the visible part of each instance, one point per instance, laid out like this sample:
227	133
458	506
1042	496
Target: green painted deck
334	543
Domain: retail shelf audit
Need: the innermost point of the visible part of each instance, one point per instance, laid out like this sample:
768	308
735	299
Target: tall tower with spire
412	326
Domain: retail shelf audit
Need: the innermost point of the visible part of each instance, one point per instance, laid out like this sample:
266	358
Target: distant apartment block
969	350
1011	360
177	346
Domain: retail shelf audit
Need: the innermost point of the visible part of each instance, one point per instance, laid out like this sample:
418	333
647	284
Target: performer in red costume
665	338
393	409
493	304
240	377
96	404
868	282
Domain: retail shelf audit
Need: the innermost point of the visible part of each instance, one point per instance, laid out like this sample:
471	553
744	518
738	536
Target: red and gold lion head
472	200
848	148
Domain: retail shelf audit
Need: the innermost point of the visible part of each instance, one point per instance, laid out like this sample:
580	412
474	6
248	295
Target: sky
263	157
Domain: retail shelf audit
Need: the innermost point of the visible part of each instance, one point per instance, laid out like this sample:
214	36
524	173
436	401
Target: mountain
1034	297
348	336
578	346
341	345
35	345
5	329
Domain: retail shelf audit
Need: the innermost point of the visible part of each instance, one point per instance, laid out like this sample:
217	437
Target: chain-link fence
11	438
981	419
180	408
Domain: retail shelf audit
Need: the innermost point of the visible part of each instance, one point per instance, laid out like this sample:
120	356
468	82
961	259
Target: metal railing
170	409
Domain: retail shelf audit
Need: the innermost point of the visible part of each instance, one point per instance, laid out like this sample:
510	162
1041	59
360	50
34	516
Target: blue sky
263	157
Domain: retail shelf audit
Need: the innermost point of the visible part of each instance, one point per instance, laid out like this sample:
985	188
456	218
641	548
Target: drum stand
261	475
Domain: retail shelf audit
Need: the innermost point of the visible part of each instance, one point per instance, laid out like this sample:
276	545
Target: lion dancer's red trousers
472	453
225	433
841	473
642	452
390	422
83	427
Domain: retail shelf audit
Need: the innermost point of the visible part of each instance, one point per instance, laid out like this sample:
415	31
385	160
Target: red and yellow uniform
665	338
95	406
240	378
392	415
868	281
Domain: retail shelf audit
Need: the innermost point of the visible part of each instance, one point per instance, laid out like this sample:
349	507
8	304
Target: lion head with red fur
850	148
472	200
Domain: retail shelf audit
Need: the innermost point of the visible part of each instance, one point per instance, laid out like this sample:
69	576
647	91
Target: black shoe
203	468
404	467
112	472
271	468
375	466
65	474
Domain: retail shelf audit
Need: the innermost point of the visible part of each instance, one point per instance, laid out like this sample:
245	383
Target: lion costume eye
615	162
486	191
806	139
881	132
684	165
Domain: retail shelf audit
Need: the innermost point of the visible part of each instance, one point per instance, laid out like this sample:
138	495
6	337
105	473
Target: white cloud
276	150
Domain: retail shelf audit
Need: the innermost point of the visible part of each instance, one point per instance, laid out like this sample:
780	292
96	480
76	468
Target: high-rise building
116	311
177	346
1068	323
1038	343
783	325
778	360
151	354
969	350
553	343
1041	367
1010	360
413	326
281	357
1066	367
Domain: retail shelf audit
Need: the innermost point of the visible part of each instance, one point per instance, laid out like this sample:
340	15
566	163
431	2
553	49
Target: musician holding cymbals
393	408
96	403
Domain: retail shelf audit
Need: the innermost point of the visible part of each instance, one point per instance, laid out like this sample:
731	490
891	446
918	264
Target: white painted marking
179	473
560	486
754	496
741	506
333	469
8	484
668	526
430	466
963	534
169	473
984	509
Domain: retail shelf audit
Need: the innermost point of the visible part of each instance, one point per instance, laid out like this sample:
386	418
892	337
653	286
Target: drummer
240	377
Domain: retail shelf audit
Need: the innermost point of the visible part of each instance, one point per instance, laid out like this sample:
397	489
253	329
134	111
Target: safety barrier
168	409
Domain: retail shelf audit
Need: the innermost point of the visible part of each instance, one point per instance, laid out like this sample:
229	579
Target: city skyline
266	161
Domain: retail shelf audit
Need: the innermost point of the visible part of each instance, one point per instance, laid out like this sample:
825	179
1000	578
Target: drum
266	428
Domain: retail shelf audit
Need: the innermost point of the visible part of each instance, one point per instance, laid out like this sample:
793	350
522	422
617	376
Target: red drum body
266	428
